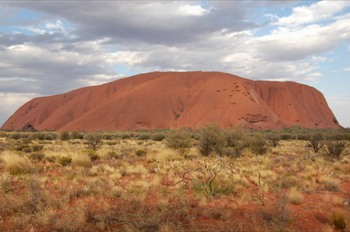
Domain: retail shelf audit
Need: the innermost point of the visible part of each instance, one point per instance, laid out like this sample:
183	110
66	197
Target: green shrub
143	136
112	155
235	142
178	139
64	135
50	136
15	136
24	148
76	135
212	139
258	145
37	147
158	137
140	152
64	160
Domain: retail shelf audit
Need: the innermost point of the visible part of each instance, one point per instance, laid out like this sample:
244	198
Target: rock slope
177	99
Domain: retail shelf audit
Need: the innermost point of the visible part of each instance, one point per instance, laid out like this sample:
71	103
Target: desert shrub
273	139
286	136
158	137
94	141
212	139
16	164
50	136
295	196
339	220
235	142
92	155
37	147
336	150
257	145
15	136
331	184
24	148
64	160
315	141
2	146
64	135
143	136
140	152
112	155
106	136
36	156
178	139
126	136
76	135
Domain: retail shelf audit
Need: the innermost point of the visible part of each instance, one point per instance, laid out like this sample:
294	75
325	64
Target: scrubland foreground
212	180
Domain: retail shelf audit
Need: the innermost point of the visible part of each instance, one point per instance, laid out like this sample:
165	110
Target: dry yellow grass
295	196
16	164
81	159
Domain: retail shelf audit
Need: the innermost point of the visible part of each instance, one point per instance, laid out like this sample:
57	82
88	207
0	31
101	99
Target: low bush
92	155
37	147
140	152
212	139
257	145
236	141
64	135
158	137
273	139
81	160
178	139
64	160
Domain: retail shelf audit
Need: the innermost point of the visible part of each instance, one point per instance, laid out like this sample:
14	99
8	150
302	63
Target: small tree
94	141
273	139
212	139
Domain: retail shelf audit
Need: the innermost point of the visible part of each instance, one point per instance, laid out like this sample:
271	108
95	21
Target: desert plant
16	164
235	142
24	148
212	139
64	160
273	139
92	154
76	135
315	141
64	135
178	138
140	152
81	159
258	145
158	137
339	220
295	196
37	156
94	141
336	150
37	147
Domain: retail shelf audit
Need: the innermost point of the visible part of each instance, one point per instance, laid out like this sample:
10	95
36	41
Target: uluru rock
177	99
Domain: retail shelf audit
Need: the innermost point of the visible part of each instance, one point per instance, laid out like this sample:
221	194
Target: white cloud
347	69
193	10
310	14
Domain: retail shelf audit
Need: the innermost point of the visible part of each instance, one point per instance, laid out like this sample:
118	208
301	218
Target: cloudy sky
50	47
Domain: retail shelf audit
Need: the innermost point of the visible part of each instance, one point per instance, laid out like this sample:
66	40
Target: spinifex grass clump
16	164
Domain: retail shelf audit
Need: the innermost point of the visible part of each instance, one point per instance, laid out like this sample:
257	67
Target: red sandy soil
177	99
